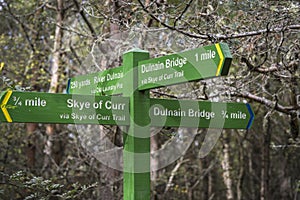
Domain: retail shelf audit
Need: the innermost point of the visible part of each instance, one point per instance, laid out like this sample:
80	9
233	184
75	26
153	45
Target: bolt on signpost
135	109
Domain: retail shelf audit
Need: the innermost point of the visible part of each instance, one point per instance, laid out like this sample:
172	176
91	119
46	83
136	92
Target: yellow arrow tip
220	65
3	106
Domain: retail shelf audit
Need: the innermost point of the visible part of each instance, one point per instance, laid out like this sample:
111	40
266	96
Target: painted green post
136	153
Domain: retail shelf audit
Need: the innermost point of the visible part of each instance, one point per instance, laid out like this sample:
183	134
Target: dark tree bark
53	144
265	160
226	165
31	144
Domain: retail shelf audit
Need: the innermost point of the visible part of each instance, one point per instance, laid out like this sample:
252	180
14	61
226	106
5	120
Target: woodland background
43	43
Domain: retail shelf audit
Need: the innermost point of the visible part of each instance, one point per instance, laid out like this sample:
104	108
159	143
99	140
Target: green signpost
88	109
85	104
106	82
136	168
201	114
204	62
63	108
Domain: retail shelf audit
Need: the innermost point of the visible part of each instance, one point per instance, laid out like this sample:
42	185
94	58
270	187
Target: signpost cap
136	50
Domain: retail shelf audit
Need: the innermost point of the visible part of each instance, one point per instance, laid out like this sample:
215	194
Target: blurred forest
43	43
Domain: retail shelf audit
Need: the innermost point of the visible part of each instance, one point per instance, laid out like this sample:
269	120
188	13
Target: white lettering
36	101
73	103
152	67
102	117
208	55
203	114
178	62
114	106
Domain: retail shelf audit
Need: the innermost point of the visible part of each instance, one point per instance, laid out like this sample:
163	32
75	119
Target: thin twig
173	173
219	36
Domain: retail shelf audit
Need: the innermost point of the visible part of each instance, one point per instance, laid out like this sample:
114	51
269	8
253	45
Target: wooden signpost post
85	104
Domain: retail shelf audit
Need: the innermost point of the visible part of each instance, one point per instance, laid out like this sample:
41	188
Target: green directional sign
201	114
87	103
106	82
63	108
204	62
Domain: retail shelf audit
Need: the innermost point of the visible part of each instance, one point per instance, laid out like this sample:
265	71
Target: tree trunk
31	144
240	181
227	166
251	177
294	123
265	163
210	185
241	173
203	185
153	160
52	142
56	48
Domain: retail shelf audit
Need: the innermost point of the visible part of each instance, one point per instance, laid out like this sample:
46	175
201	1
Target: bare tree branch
259	32
90	26
273	68
50	7
173	173
182	13
169	26
23	26
218	36
271	104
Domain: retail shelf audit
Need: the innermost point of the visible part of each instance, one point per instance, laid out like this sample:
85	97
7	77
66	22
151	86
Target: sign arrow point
68	86
3	106
251	116
221	56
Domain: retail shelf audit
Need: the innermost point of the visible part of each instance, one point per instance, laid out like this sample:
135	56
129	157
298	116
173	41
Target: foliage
25	186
